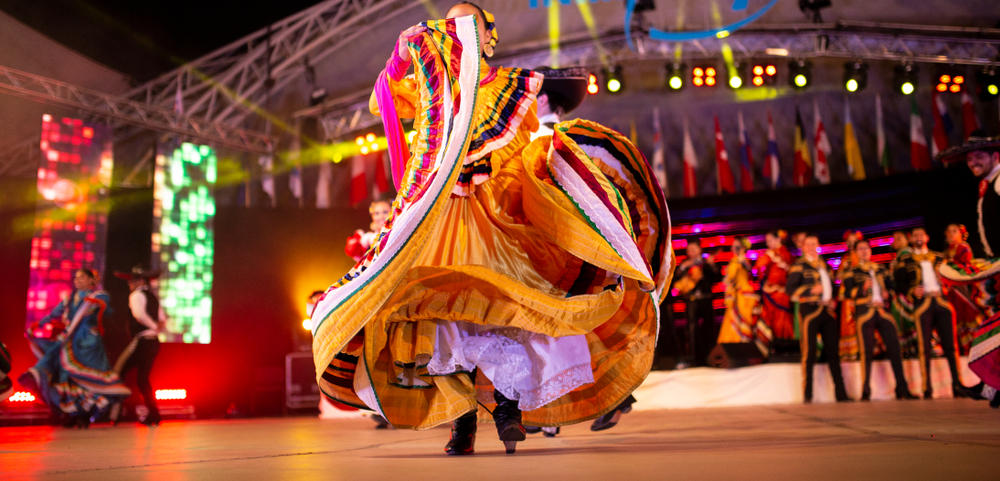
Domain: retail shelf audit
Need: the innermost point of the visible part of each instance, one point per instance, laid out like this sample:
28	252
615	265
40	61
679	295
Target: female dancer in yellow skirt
741	321
523	276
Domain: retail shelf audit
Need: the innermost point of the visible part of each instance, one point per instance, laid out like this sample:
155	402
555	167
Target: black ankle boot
463	435
508	420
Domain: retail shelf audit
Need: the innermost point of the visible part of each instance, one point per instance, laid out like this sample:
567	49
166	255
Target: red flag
724	174
690	164
746	157
381	178
969	120
919	157
802	167
938	134
359	184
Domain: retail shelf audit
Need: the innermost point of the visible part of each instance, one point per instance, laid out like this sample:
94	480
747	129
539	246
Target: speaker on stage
735	354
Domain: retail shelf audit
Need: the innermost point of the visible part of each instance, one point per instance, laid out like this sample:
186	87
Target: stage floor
940	439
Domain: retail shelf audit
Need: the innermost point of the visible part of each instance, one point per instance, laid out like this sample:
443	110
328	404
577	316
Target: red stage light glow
710	81
758	81
171	394
698	82
698	72
21	396
758	70
955	88
710	71
942	87
771	70
958	79
945	79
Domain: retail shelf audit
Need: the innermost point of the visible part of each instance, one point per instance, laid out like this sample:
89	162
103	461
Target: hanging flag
659	164
802	167
359	183
690	164
883	153
381	186
323	185
772	165
969	120
724	175
267	178
919	157
746	157
942	125
855	164
823	148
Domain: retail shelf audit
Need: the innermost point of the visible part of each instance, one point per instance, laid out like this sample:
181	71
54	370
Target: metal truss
21	159
115	108
852	40
227	86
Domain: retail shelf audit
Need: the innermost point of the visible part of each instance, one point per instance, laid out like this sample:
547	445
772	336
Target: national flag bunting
919	157
659	163
942	125
359	181
724	175
970	121
802	168
883	153
746	157
690	164
823	148
772	165
852	151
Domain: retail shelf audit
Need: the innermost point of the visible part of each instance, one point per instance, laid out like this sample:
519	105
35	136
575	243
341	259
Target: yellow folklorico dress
540	264
742	321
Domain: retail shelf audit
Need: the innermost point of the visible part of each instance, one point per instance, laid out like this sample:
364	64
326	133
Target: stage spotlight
307	324
675	76
736	75
799	73
950	81
370	137
704	76
592	87
855	76
614	82
988	84
763	74
360	140
905	78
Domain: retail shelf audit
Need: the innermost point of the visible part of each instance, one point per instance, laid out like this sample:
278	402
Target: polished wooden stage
939	439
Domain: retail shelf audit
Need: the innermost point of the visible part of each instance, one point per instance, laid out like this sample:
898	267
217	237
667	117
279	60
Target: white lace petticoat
532	368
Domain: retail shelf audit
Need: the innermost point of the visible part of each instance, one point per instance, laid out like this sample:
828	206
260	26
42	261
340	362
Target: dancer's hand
404	37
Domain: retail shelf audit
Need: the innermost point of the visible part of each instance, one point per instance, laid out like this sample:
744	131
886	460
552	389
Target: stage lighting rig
905	78
675	76
614	80
704	76
737	75
950	80
799	73
764	74
592	87
988	84
855	76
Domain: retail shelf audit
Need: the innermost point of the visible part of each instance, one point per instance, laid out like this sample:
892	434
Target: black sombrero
137	272
565	87
978	140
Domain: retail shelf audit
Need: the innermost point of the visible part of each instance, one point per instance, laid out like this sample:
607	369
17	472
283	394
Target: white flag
821	168
323	185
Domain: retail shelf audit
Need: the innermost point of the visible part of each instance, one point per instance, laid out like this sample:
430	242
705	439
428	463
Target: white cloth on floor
532	368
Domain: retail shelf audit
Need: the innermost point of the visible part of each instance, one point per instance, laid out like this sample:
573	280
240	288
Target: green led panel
183	239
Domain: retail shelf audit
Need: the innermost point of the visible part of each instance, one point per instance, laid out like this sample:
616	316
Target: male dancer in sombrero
522	275
981	154
146	320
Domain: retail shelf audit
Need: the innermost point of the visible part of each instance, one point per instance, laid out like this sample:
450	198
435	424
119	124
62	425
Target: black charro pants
869	321
701	336
817	319
141	360
936	314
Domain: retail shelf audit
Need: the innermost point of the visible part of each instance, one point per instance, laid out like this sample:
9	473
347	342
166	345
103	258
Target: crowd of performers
73	375
518	274
920	303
